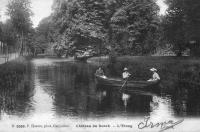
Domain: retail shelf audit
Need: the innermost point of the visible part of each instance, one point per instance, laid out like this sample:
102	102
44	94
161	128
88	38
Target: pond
43	90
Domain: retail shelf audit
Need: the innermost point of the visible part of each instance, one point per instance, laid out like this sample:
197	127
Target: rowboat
82	58
82	55
129	85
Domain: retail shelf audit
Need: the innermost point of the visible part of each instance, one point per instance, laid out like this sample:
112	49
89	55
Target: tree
193	26
174	27
8	37
181	25
45	35
117	24
47	30
8	34
20	13
1	30
135	25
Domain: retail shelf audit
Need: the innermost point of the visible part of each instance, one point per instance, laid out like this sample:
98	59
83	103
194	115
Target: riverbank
10	57
12	72
183	59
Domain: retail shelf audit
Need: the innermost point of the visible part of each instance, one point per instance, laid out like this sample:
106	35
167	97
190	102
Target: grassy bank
12	72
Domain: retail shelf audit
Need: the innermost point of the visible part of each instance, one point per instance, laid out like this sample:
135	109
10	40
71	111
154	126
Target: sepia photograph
99	65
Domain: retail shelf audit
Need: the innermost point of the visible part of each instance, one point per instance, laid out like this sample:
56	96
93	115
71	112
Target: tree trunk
21	44
112	55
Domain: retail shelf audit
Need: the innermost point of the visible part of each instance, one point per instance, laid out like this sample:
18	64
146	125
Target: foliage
135	25
12	73
59	49
120	24
42	36
46	31
19	12
8	35
181	24
1	24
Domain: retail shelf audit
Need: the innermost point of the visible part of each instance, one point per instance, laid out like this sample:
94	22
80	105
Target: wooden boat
130	85
82	57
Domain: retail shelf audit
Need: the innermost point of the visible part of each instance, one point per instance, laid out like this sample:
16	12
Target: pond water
52	89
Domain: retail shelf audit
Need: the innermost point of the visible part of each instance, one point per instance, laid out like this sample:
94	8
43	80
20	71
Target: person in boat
155	76
100	72
125	74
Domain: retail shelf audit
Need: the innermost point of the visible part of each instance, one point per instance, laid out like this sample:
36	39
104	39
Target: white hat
125	69
153	69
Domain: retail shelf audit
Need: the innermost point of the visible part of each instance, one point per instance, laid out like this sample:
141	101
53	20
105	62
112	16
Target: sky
42	9
163	7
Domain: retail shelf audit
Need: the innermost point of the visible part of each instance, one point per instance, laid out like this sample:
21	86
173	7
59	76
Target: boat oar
124	83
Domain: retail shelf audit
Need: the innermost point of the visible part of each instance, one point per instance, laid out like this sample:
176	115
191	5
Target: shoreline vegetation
12	72
121	27
179	59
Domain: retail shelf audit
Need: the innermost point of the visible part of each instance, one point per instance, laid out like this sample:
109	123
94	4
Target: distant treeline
125	27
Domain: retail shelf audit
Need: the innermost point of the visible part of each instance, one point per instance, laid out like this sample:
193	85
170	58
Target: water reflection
42	101
52	89
161	109
186	99
70	87
125	98
15	91
101	95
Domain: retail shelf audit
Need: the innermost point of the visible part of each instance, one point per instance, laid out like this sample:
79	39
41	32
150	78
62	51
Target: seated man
155	76
125	74
99	72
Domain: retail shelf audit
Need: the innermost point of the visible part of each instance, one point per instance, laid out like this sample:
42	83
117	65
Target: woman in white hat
125	74
155	76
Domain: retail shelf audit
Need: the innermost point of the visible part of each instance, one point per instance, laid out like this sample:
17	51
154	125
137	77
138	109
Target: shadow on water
67	88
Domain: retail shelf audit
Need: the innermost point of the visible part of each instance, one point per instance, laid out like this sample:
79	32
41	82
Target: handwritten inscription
162	125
